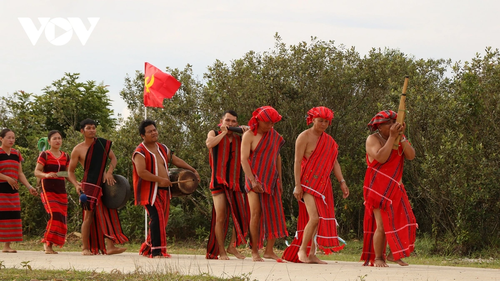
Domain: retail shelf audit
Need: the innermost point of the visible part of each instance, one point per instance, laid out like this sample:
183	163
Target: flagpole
145	213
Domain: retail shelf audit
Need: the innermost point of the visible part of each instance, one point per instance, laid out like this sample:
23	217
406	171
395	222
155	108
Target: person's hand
33	191
165	182
395	130
257	187
345	189
223	129
298	192
244	128
51	175
78	188
13	183
197	175
109	179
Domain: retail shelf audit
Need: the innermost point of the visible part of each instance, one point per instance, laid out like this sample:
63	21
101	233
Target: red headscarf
380	118
319	112
265	114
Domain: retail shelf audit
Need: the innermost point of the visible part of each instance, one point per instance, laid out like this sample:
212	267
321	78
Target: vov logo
68	26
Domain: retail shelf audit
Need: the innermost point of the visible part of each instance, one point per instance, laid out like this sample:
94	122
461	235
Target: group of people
246	187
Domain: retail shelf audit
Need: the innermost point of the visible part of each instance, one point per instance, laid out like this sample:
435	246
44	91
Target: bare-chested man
315	158
92	154
261	163
150	160
228	189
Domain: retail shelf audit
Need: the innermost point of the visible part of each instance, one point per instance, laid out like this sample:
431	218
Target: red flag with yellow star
158	86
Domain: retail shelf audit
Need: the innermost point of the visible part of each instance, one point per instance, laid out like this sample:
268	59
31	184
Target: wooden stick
401	111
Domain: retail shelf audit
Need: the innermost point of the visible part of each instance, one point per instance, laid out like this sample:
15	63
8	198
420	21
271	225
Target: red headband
265	114
319	112
380	118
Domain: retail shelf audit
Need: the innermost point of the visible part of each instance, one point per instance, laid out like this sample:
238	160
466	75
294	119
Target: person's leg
379	240
310	228
231	249
220	206
87	223
154	226
8	249
255	213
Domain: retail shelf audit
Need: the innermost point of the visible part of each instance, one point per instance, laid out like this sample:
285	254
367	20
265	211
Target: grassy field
351	253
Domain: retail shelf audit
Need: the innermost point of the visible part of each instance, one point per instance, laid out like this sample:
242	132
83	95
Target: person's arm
246	145
182	164
300	148
213	140
140	168
337	171
23	180
39	173
378	152
408	149
71	170
11	181
108	176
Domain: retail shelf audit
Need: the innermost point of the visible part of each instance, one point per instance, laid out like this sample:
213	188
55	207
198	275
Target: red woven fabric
380	118
54	197
162	206
11	228
316	181
225	162
382	190
145	191
265	114
106	223
263	161
319	112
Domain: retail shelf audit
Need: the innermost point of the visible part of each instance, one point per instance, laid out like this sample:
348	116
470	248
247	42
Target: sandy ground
268	270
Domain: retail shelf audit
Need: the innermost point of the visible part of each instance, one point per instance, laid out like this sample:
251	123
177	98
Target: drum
116	196
184	182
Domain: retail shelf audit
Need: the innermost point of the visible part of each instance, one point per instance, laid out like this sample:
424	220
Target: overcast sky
175	33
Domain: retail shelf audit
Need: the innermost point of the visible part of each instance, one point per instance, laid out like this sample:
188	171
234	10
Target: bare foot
256	257
273	256
303	256
8	249
115	250
235	253
86	252
48	249
315	259
223	257
380	262
400	261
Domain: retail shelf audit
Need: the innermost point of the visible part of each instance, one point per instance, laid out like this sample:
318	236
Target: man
388	214
315	158
227	189
261	163
150	160
101	228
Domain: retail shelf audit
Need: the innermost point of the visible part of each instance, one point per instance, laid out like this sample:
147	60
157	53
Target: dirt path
268	270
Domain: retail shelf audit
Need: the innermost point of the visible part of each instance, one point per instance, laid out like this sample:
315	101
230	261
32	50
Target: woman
50	168
11	171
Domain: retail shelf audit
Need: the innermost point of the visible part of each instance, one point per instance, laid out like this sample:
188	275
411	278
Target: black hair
144	124
4	132
53	132
87	122
232	112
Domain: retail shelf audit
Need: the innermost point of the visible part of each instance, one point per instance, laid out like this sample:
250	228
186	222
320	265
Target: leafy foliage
453	114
